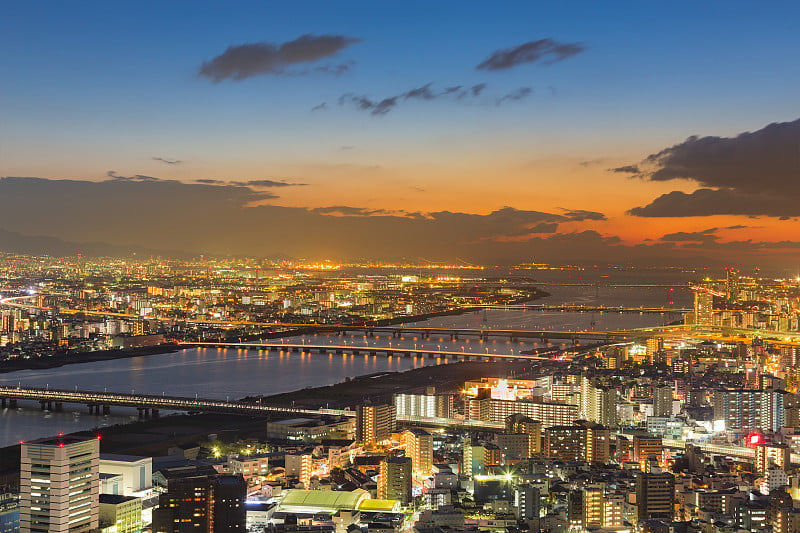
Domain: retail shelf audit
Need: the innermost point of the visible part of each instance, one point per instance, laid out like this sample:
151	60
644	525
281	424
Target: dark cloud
580	214
168	161
764	161
255	59
707	202
547	51
626	169
320	107
378	107
135	177
707	235
209	181
754	173
266	183
185	218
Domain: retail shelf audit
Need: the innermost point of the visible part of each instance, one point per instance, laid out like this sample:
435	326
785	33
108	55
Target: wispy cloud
382	106
168	160
546	51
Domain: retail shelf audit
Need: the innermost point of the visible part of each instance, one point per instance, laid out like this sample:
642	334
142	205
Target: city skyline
621	133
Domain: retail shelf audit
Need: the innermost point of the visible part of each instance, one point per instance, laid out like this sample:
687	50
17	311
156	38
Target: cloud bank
754	173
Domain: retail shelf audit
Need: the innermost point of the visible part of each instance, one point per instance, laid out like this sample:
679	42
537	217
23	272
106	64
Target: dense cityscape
415	267
687	426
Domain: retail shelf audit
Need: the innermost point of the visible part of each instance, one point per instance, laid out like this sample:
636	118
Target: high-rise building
655	496
598	404
592	507
199	499
750	409
299	465
646	445
768	454
526	499
582	441
703	307
662	401
394	480
59	485
374	423
548	413
522	424
419	447
424	405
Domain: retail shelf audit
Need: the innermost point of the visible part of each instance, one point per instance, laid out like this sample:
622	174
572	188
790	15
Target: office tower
750	409
768	454
299	465
646	445
122	513
59	485
732	284
419	447
522	424
199	499
394	480
662	401
655	496
583	441
703	307
374	423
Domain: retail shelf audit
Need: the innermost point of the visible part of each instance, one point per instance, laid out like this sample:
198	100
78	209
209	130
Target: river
232	374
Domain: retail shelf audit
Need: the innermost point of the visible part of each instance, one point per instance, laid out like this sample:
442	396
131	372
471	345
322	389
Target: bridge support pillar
12	403
43	403
59	406
2	403
370	333
106	409
155	412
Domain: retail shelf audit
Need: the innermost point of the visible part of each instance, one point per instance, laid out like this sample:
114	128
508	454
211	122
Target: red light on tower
99	437
60	434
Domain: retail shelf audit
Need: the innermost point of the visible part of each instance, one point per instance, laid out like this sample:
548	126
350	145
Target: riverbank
58	360
154	437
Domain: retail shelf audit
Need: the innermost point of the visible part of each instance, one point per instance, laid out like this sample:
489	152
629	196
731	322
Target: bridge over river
150	404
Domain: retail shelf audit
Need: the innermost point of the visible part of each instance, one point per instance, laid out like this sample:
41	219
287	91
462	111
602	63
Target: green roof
322	499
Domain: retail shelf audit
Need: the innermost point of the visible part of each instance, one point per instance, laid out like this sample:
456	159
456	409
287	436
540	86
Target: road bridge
53	399
388	351
426	332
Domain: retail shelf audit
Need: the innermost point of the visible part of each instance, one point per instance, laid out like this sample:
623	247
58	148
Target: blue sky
91	87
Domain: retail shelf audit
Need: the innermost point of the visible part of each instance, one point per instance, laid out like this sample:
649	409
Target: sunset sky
495	132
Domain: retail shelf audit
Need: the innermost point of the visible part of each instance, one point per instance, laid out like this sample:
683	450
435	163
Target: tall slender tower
60	485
